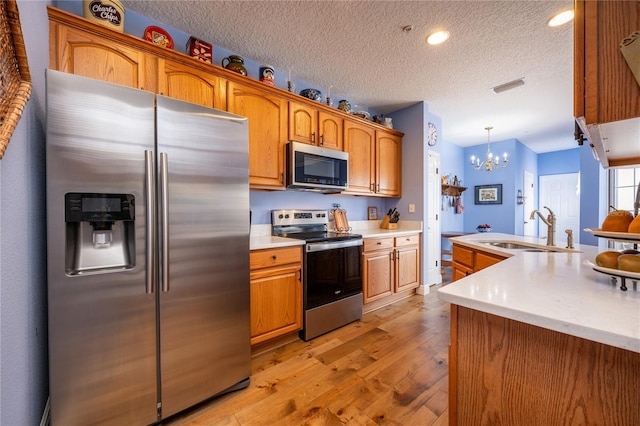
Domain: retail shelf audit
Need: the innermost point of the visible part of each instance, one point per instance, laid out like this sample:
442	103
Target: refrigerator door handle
151	228
164	221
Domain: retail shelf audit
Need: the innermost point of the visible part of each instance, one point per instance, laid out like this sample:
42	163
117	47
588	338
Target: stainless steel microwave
313	168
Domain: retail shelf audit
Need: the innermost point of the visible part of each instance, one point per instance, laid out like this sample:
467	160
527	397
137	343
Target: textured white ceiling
360	49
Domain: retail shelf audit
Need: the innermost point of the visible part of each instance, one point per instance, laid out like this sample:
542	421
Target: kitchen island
541	338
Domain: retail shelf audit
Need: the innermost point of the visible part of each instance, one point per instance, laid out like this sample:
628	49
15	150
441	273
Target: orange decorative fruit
608	259
634	226
617	221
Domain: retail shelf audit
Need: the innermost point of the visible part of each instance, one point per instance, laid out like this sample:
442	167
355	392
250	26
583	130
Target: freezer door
102	320
204	246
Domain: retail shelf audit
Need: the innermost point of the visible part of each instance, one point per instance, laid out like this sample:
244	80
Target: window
623	186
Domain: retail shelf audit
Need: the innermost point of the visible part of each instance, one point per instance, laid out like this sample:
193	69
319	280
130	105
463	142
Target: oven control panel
299	217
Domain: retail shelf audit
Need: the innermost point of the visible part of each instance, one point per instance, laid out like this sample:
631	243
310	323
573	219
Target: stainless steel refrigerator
147	253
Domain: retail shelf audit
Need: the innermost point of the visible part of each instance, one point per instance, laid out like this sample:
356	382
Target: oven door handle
313	247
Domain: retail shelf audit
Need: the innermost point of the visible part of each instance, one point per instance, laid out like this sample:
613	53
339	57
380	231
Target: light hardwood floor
390	368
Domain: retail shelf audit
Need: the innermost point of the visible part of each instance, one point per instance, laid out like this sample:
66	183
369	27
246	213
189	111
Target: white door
434	190
529	205
561	194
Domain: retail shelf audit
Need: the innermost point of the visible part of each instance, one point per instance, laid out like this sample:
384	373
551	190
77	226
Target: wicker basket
15	81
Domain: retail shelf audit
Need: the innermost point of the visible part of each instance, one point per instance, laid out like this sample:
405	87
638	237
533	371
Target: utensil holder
388	225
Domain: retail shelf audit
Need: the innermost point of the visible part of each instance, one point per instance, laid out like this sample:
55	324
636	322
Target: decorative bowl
361	114
313	94
479	229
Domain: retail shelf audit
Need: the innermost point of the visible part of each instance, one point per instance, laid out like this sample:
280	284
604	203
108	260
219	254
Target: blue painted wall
411	121
559	162
452	159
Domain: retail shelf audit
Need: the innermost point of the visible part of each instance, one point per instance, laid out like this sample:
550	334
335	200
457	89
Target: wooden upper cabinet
360	142
303	123
330	127
374	160
388	164
308	125
78	52
605	89
267	115
191	84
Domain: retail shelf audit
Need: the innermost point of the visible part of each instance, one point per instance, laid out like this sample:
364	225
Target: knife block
388	225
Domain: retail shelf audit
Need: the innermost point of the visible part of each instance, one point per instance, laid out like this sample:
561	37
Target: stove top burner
321	236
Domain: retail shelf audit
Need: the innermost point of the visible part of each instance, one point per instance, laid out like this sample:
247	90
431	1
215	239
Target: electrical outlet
412	208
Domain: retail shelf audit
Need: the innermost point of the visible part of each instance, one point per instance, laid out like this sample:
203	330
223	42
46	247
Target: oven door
333	271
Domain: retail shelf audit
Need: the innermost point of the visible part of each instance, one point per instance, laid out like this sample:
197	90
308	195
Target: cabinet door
459	271
330	127
377	275
191	84
605	88
388	164
359	142
407	268
303	123
267	115
484	260
81	53
276	303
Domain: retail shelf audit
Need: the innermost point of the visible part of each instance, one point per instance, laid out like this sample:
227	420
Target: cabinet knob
379	243
274	257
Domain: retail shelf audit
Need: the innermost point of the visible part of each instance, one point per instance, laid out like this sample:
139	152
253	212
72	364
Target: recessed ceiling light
561	18
437	37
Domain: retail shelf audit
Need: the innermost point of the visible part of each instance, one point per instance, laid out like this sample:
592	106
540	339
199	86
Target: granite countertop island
556	291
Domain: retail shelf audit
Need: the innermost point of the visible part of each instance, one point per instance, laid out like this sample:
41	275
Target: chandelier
491	162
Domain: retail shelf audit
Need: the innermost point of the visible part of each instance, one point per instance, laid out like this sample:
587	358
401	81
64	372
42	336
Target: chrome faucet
550	221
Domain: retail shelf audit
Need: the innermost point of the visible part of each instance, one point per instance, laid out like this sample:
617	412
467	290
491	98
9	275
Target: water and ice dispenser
100	232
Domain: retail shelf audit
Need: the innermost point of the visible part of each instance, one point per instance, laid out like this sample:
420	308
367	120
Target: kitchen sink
520	246
507	245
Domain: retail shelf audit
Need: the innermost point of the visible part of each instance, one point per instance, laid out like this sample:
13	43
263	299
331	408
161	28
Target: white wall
23	333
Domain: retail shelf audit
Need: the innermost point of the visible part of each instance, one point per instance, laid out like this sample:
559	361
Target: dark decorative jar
235	63
344	105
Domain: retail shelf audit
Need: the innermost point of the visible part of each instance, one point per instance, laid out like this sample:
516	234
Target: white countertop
261	237
550	290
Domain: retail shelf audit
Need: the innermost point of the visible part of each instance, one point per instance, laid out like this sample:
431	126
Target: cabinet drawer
407	240
484	260
463	255
372	244
268	258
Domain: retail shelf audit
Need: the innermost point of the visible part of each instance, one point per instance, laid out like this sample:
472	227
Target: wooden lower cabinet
466	261
505	372
276	293
391	269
